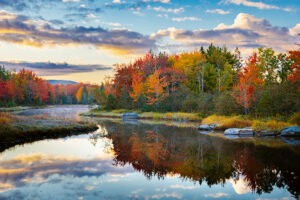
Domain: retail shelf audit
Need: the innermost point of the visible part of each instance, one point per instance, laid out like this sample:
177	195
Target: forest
206	81
26	88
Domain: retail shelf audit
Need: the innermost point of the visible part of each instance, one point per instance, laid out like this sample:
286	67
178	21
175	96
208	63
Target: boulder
130	116
290	131
232	131
265	133
246	131
239	131
206	127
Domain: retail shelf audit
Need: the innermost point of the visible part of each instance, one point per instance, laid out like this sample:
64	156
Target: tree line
212	80
26	88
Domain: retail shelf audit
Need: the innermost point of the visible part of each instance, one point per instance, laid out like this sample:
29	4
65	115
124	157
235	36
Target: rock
130	116
239	131
206	126
290	131
265	133
246	131
232	131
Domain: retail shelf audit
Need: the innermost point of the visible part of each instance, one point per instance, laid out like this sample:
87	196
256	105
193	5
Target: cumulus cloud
53	69
21	30
259	5
247	31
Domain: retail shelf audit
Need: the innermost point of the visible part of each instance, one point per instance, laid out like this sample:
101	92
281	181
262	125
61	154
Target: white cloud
138	13
183	19
91	15
160	1
169	10
167	195
259	5
218	11
246	32
216	195
70	0
184	187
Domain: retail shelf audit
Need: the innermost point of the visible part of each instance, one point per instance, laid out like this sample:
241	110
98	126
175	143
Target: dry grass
5	118
224	122
271	125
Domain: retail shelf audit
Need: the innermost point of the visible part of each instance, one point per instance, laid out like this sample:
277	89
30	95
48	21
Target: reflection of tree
161	150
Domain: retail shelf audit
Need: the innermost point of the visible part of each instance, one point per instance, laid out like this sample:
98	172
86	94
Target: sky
81	40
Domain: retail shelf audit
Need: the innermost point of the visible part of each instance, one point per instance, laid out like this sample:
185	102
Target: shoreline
222	122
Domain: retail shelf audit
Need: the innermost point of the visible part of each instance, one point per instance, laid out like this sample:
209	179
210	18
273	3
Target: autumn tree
248	80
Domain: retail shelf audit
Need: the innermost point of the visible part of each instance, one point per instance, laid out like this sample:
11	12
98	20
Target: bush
110	103
225	104
5	118
295	118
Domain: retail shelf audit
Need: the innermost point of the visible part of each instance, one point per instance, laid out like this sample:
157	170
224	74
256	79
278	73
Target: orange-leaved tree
156	84
295	68
137	87
248	80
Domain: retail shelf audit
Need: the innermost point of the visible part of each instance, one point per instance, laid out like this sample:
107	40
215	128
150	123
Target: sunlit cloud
20	30
53	69
247	32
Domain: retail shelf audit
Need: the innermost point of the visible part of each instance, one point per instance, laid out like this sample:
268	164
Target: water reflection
249	165
150	161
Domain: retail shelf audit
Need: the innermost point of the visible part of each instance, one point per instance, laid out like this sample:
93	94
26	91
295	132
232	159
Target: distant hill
54	82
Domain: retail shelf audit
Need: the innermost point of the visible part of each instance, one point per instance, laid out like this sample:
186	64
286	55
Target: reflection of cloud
48	68
216	195
22	170
184	187
240	186
21	30
173	195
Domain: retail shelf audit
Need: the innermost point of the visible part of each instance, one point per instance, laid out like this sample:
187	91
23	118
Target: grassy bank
21	129
223	122
180	116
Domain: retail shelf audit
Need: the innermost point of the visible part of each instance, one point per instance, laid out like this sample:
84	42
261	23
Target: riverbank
16	129
222	122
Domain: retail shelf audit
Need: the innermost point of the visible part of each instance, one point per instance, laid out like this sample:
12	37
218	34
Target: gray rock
265	133
246	131
206	127
239	131
232	131
290	131
130	116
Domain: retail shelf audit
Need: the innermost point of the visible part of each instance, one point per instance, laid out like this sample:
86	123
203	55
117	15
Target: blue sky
84	38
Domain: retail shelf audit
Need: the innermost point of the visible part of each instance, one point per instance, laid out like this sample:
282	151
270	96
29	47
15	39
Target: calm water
146	160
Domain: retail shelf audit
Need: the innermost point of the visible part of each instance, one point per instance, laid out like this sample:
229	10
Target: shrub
5	118
295	118
271	125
